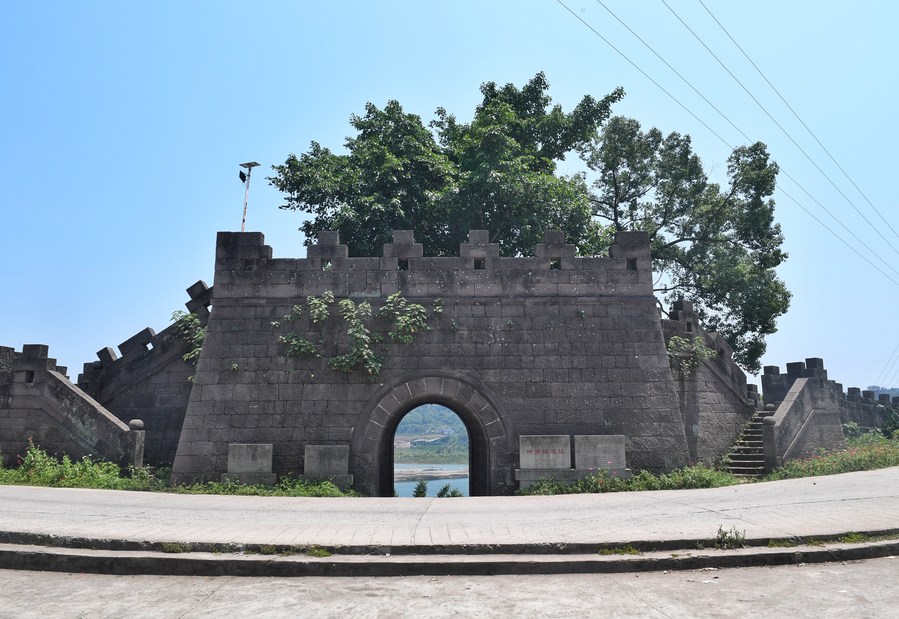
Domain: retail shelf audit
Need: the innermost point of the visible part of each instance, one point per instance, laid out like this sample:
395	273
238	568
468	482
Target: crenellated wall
37	401
715	401
149	380
809	412
549	344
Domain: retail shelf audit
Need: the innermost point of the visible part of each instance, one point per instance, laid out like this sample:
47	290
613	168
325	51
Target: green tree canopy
496	173
717	247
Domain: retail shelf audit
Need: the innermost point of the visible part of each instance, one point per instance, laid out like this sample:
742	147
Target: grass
698	476
864	453
619	550
38	468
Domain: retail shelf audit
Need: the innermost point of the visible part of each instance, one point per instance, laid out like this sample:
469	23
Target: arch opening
431	453
475	436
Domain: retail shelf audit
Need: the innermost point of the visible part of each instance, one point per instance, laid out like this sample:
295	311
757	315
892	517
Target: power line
646	75
892	380
887	364
676	72
779	126
725	117
836	219
839	238
790	107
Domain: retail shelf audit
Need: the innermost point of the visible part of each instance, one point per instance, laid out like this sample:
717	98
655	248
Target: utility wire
886	372
790	107
839	238
892	380
676	72
836	219
646	75
725	117
779	126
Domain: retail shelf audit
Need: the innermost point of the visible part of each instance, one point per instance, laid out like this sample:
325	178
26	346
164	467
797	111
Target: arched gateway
491	438
547	345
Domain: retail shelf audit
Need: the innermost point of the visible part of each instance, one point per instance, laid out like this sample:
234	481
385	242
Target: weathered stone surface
326	460
544	452
599	452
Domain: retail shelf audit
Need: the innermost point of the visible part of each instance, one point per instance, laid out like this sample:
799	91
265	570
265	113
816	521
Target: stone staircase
747	457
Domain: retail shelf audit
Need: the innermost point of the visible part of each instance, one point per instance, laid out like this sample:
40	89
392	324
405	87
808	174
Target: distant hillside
431	419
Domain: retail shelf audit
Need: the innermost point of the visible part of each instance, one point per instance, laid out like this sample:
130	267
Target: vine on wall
687	354
191	330
403	320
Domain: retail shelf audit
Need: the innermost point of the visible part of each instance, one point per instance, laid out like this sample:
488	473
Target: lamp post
246	196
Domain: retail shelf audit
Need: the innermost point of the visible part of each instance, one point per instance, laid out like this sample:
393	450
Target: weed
727	540
864	453
318	551
698	476
782	543
855	538
619	550
267	549
814	542
687	354
190	330
174	547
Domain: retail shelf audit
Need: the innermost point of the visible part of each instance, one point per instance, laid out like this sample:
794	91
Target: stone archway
491	440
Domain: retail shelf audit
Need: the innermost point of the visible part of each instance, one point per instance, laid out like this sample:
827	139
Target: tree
421	489
716	247
496	173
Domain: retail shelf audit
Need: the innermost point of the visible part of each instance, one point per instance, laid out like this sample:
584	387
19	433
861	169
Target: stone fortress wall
552	344
547	345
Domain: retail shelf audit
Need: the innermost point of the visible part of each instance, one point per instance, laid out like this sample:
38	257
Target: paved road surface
857	589
816	506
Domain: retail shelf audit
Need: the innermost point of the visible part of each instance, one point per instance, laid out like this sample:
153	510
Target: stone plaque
326	460
250	458
544	451
599	451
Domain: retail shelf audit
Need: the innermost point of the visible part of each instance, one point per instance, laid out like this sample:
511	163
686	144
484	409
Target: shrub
421	489
448	491
698	476
868	451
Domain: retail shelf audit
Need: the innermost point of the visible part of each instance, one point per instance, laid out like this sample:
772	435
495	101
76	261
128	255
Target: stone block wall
149	380
715	401
37	401
551	344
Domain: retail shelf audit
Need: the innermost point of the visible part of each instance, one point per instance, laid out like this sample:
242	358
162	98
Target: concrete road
858	589
815	506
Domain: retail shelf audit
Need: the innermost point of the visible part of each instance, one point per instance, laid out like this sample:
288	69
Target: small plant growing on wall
191	331
404	320
687	354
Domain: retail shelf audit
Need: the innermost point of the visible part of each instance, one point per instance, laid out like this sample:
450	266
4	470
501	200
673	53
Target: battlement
136	347
29	362
776	385
683	322
856	405
244	263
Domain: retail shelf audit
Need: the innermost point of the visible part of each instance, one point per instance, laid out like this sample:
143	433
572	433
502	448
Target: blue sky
124	123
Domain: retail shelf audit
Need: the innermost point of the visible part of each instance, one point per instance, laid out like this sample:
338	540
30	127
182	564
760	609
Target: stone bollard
136	440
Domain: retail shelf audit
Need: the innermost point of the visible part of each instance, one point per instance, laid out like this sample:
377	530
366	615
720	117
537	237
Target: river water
405	488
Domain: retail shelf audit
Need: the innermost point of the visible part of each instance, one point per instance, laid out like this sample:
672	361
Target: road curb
35	558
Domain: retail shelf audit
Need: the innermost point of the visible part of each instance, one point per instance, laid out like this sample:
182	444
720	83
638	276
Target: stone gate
550	344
